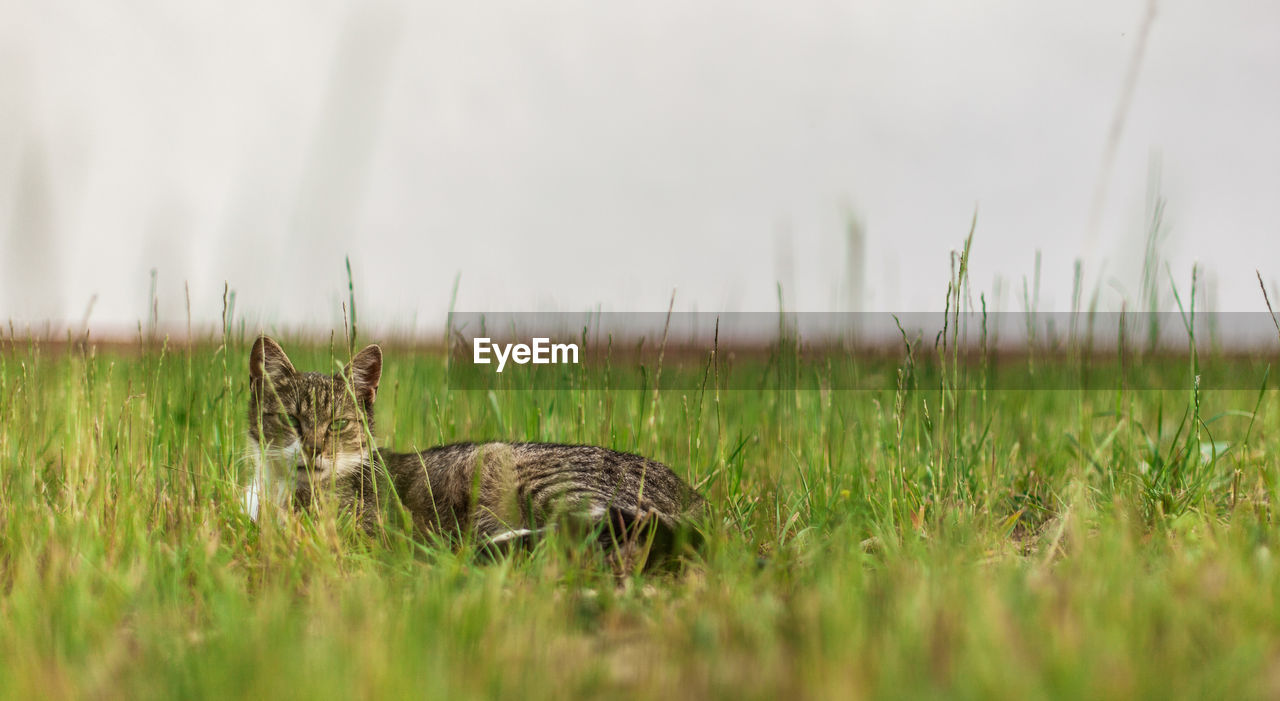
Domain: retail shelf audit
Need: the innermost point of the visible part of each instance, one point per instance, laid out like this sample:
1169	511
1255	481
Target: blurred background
583	155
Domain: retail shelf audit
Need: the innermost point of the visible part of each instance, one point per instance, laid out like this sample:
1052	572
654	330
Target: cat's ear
364	371
267	360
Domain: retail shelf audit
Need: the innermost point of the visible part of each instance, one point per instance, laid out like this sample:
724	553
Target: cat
310	437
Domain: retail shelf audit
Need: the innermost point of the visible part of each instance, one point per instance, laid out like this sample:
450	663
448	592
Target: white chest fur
274	479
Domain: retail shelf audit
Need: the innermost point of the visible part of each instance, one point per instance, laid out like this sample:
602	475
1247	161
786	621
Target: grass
926	539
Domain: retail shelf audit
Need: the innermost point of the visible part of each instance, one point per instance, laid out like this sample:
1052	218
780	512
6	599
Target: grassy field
936	539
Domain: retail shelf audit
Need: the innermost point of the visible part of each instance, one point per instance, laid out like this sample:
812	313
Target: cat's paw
249	502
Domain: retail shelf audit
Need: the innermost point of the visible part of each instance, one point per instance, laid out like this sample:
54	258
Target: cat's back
541	471
623	477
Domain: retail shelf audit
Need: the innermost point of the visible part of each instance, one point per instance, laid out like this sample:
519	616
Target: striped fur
500	492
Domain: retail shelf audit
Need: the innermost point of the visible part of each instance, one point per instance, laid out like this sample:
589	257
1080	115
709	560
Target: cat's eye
338	425
289	420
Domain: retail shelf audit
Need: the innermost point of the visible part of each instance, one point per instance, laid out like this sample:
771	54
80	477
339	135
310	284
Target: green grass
922	542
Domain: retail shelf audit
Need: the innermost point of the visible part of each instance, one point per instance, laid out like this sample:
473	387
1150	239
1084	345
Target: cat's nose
309	462
310	471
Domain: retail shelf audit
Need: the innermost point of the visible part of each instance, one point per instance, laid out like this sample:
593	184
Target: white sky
566	155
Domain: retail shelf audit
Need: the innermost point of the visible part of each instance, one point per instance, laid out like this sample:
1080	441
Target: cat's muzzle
314	468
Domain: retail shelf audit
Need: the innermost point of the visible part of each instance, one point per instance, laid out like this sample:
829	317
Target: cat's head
311	425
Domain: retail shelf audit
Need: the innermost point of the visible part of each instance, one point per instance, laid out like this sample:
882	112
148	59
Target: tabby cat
310	438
